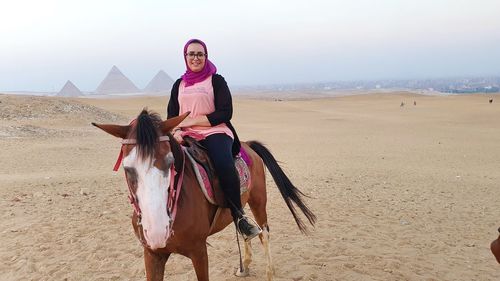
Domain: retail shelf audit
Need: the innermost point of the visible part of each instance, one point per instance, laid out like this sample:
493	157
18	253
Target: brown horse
152	159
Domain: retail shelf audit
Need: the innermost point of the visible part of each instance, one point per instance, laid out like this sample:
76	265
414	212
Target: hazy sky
44	43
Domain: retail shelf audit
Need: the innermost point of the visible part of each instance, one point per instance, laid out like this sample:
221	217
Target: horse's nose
156	240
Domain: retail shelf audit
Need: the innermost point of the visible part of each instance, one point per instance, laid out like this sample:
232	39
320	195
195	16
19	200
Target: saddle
205	172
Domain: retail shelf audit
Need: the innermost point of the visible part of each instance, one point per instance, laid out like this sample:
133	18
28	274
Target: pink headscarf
191	77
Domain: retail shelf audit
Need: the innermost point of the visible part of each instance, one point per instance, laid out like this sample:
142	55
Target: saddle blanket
204	181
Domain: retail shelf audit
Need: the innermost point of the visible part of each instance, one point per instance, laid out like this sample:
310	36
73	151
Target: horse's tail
288	191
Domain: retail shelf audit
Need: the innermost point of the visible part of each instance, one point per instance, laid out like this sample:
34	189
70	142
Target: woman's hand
178	136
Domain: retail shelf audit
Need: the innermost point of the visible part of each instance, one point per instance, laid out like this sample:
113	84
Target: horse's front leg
199	258
155	265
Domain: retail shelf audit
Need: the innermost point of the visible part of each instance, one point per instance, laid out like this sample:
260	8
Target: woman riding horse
206	95
171	213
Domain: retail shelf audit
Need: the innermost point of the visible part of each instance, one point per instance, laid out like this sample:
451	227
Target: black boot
247	228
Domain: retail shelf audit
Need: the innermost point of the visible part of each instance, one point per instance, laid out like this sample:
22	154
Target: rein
174	188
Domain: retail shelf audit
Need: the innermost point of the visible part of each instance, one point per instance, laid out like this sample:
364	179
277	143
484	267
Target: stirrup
251	235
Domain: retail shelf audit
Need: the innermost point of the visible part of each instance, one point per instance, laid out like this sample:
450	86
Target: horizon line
276	84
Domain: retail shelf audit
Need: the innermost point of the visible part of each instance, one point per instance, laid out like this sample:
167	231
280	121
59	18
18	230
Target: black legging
219	148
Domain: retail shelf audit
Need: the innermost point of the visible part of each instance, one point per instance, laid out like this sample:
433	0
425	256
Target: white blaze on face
152	194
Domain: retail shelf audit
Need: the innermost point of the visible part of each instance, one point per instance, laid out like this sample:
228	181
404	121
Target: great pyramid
161	83
115	82
69	90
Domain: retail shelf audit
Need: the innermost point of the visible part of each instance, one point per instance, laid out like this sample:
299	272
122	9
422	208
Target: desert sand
401	193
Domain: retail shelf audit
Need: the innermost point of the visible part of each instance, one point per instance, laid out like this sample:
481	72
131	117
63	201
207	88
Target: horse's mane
146	131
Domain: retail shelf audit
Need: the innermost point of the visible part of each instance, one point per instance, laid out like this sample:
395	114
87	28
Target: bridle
174	188
133	141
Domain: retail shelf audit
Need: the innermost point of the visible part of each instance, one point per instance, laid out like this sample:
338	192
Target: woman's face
195	57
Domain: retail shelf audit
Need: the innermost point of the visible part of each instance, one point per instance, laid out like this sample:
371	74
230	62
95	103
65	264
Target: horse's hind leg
258	202
247	259
264	238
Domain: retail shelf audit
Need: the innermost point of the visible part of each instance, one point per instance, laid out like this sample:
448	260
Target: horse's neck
192	203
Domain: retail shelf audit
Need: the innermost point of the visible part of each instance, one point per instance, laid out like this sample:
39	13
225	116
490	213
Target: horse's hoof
244	273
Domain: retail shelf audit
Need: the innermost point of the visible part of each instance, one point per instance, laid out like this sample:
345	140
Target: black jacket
223	106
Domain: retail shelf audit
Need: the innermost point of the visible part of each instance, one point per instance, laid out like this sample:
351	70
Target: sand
401	193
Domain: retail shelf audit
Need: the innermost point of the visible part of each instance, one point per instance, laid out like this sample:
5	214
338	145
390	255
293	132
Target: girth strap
175	190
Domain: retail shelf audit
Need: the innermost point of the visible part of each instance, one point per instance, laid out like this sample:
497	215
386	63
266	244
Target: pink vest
199	99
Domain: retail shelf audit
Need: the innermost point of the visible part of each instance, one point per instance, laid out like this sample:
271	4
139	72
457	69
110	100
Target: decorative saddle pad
204	180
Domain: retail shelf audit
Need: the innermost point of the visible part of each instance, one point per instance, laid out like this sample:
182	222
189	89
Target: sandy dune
401	193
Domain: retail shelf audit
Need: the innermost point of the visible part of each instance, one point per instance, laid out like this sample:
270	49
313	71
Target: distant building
69	90
116	83
161	83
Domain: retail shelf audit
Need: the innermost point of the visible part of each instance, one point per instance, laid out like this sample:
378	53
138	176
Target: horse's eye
131	173
169	159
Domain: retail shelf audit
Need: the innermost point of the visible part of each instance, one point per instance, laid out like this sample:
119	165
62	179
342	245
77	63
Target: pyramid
69	90
160	83
115	82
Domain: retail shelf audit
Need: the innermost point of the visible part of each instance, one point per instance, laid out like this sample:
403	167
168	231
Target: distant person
495	247
415	102
491	100
206	95
402	104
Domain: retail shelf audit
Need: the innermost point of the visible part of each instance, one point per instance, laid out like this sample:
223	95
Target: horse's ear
115	130
169	124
